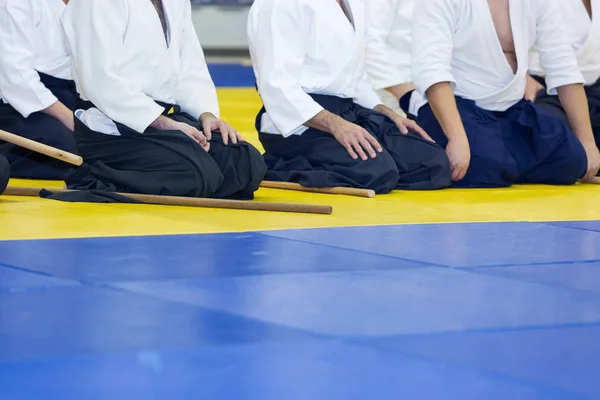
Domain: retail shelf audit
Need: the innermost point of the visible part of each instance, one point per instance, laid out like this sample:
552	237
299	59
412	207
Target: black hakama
4	173
523	144
41	128
165	163
317	159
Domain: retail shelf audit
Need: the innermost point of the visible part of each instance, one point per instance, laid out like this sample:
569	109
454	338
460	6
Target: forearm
575	104
442	102
60	112
400	90
162	123
325	121
385	110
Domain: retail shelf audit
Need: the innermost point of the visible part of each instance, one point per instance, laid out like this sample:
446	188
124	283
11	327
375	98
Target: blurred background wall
221	25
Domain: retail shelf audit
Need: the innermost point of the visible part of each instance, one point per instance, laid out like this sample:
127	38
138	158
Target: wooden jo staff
193	201
153	199
41	148
327	190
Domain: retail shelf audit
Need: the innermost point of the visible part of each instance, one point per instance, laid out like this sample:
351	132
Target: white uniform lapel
170	59
356	59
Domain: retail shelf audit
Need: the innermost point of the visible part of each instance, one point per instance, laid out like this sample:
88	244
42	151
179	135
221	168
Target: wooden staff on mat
194	201
153	199
328	190
41	148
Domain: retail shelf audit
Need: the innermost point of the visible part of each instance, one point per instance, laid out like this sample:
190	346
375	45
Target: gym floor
454	294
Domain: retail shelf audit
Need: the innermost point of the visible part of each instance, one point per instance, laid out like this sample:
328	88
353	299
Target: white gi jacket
31	41
455	41
123	62
584	35
307	46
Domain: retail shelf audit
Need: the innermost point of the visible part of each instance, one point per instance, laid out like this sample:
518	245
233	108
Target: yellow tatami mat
32	218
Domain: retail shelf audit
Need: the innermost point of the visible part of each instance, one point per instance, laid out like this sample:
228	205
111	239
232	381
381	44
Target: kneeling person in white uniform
322	123
470	62
37	92
582	24
150	123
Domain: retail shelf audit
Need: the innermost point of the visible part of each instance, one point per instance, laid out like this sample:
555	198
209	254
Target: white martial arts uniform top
584	35
388	41
123	63
31	41
307	46
455	41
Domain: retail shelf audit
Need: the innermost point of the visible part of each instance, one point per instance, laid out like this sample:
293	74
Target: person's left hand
211	123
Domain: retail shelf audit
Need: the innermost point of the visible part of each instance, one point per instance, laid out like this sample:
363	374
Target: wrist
160	123
206	115
457	135
589	144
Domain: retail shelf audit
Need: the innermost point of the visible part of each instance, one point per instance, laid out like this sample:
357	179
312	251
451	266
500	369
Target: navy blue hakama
317	159
523	144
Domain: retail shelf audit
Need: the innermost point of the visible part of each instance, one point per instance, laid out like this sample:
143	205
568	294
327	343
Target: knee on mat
379	174
430	171
251	165
573	167
243	168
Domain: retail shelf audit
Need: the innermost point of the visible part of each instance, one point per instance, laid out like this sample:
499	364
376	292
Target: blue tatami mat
441	311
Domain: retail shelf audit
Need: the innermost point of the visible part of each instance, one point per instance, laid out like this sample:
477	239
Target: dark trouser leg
241	165
162	163
316	159
546	149
422	165
593	96
4	173
491	163
552	105
41	128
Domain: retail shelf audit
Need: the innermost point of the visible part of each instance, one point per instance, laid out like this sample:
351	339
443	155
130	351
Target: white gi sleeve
95	31
20	83
433	43
389	42
557	57
366	96
196	92
277	44
534	64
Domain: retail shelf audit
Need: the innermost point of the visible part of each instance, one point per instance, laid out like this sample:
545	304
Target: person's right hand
356	140
459	154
